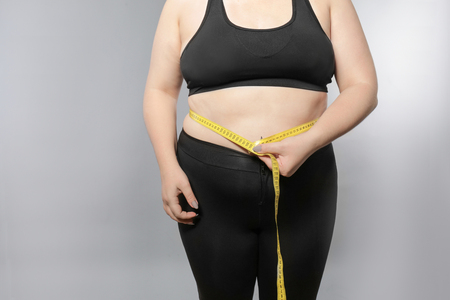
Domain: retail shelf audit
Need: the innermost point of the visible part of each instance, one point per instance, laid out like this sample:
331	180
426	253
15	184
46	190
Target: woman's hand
174	183
290	153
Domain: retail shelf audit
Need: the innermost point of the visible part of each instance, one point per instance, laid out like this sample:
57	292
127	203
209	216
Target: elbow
363	91
373	96
373	103
369	91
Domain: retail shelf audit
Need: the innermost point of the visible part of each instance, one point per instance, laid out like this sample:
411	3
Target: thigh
222	245
306	218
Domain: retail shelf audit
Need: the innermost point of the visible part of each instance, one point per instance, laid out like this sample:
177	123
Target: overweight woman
252	179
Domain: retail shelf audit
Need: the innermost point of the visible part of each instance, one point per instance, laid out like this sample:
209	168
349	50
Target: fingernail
194	204
190	224
257	148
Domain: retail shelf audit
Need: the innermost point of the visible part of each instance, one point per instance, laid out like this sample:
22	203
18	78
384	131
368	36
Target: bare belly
253	112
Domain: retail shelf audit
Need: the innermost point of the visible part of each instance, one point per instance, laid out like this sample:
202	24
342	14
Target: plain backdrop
80	211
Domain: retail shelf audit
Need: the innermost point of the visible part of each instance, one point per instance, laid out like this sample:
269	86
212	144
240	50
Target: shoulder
183	10
334	3
172	7
181	7
175	11
340	6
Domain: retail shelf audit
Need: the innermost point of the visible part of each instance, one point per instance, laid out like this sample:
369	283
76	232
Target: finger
186	190
169	212
175	212
275	148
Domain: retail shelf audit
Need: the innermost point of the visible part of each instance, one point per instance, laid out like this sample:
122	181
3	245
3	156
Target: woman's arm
356	77
159	108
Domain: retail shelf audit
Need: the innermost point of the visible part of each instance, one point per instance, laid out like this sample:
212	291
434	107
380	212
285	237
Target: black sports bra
221	54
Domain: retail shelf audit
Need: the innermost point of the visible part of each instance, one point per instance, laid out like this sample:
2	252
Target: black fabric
233	241
221	54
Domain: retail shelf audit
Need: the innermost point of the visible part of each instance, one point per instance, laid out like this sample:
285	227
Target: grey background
80	209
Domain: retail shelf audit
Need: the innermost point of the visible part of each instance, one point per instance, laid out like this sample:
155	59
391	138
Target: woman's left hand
290	153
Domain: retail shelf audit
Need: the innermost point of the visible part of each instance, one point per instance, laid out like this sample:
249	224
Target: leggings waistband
218	155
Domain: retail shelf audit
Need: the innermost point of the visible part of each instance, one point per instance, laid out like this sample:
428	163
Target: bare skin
253	112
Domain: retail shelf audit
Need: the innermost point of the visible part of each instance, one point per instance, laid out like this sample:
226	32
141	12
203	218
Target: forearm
352	106
159	110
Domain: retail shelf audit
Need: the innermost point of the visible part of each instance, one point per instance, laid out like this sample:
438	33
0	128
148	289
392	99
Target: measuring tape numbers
246	144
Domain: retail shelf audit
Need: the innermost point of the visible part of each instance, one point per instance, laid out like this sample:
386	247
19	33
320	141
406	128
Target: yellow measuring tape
246	144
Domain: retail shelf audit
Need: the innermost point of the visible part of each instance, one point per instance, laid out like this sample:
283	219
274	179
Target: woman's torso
251	111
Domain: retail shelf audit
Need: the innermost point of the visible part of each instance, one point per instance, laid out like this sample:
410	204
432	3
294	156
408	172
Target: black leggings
234	241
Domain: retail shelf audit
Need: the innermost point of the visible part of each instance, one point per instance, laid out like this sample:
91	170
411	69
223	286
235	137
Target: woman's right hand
174	183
